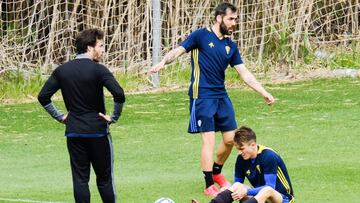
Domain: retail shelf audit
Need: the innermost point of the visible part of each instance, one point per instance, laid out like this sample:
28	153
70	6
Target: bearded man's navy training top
209	59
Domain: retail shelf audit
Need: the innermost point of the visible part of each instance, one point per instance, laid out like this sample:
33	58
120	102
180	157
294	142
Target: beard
97	57
224	30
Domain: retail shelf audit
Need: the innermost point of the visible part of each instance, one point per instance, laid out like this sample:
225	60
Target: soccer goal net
39	34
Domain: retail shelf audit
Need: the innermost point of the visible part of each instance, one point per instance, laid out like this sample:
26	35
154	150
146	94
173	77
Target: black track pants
98	153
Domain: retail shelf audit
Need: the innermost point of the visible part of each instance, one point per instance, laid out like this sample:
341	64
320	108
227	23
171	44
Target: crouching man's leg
234	192
266	194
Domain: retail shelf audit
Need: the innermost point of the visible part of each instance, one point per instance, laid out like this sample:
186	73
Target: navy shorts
211	115
285	199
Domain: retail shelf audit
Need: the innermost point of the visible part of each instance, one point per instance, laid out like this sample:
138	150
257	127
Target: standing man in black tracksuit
81	82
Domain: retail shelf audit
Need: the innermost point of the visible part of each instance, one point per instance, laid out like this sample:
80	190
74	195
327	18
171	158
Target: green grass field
314	126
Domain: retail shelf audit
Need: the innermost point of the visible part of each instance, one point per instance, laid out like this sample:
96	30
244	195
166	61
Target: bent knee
237	186
228	142
268	191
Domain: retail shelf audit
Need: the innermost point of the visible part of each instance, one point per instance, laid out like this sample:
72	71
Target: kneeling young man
264	169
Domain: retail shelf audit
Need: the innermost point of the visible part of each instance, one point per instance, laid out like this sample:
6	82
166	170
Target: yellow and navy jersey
209	59
267	162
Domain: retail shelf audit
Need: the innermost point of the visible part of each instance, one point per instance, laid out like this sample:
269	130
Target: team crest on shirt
248	172
227	49
199	123
211	45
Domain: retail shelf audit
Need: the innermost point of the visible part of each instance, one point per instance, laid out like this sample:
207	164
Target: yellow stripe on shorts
195	86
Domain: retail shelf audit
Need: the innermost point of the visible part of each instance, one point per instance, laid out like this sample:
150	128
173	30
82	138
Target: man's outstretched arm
251	81
168	58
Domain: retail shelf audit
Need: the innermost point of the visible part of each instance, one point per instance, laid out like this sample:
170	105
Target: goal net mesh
39	34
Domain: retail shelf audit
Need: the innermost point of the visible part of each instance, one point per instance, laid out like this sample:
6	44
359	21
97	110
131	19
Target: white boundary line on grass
26	200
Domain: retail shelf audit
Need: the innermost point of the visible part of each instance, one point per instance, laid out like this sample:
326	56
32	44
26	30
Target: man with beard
210	107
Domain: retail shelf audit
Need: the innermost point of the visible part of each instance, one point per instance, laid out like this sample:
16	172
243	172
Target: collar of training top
82	56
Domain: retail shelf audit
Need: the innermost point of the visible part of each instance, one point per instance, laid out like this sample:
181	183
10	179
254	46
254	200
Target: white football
164	200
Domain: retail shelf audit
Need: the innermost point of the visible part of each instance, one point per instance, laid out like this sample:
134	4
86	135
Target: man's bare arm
168	58
251	81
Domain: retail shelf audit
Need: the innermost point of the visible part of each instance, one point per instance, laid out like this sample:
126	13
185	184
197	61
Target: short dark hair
243	135
221	8
87	38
